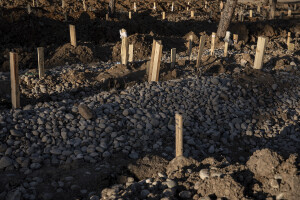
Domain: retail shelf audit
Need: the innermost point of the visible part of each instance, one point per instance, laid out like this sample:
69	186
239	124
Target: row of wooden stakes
127	56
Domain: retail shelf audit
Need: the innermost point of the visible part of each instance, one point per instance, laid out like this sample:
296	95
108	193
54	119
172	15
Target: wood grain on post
235	38
84	5
129	14
192	14
190	48
14	80
250	13
156	61
130	59
154	6
226	49
41	63
172	8
163	15
213	39
151	60
260	51
178	135
124	49
200	52
73	35
173	57
134	7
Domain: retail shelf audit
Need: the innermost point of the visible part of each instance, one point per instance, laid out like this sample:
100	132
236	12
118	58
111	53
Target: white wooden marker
73	35
200	52
129	14
163	15
155	61
179	135
154	6
124	47
41	63
213	39
250	13
84	5
14	80
173	57
289	12
260	51
134	6
205	4
221	5
227	39
172	8
130	59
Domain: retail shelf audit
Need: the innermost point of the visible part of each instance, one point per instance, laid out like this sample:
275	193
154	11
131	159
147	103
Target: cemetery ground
93	128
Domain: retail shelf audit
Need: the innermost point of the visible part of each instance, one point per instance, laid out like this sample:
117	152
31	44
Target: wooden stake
192	14
156	61
163	15
190	48
213	38
200	52
14	80
172	8
205	4
151	60
179	135
33	3
63	3
221	5
130	59
250	13
129	15
124	48
41	63
226	49
84	6
73	35
134	7
173	57
289	12
288	39
260	51
154	6
235	38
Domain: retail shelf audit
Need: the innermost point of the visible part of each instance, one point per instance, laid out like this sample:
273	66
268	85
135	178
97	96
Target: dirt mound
142	46
70	54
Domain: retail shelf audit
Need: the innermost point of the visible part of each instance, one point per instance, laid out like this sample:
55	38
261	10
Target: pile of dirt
142	47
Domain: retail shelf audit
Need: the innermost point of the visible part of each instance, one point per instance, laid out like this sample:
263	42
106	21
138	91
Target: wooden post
221	5
106	16
250	13
129	15
172	8
134	6
41	63
14	80
200	52
289	12
154	6
258	9
192	14
213	38
33	3
28	8
190	48
179	135
227	39
288	39
260	51
130	59
155	61
73	35
124	47
205	4
163	15
84	6
173	57
235	38
63	3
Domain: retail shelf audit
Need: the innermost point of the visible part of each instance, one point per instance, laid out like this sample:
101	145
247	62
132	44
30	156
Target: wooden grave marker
163	15
250	13
155	61
134	6
227	39
41	62
192	14
172	7
14	80
221	5
124	47
130	59
63	3
213	39
288	41
289	12
200	52
235	38
178	135
260	51
73	35
84	5
173	57
129	14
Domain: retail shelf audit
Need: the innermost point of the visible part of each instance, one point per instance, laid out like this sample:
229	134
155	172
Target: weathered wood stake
172	8
260	51
73	35
134	6
124	47
129	14
200	52
190	48
250	13
288	41
289	12
41	63
63	3
192	14
221	5
163	15
84	6
235	38
173	57
130	59
179	135
213	38
14	80
155	61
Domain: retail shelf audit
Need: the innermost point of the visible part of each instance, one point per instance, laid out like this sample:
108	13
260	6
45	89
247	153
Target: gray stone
185	194
85	111
5	162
